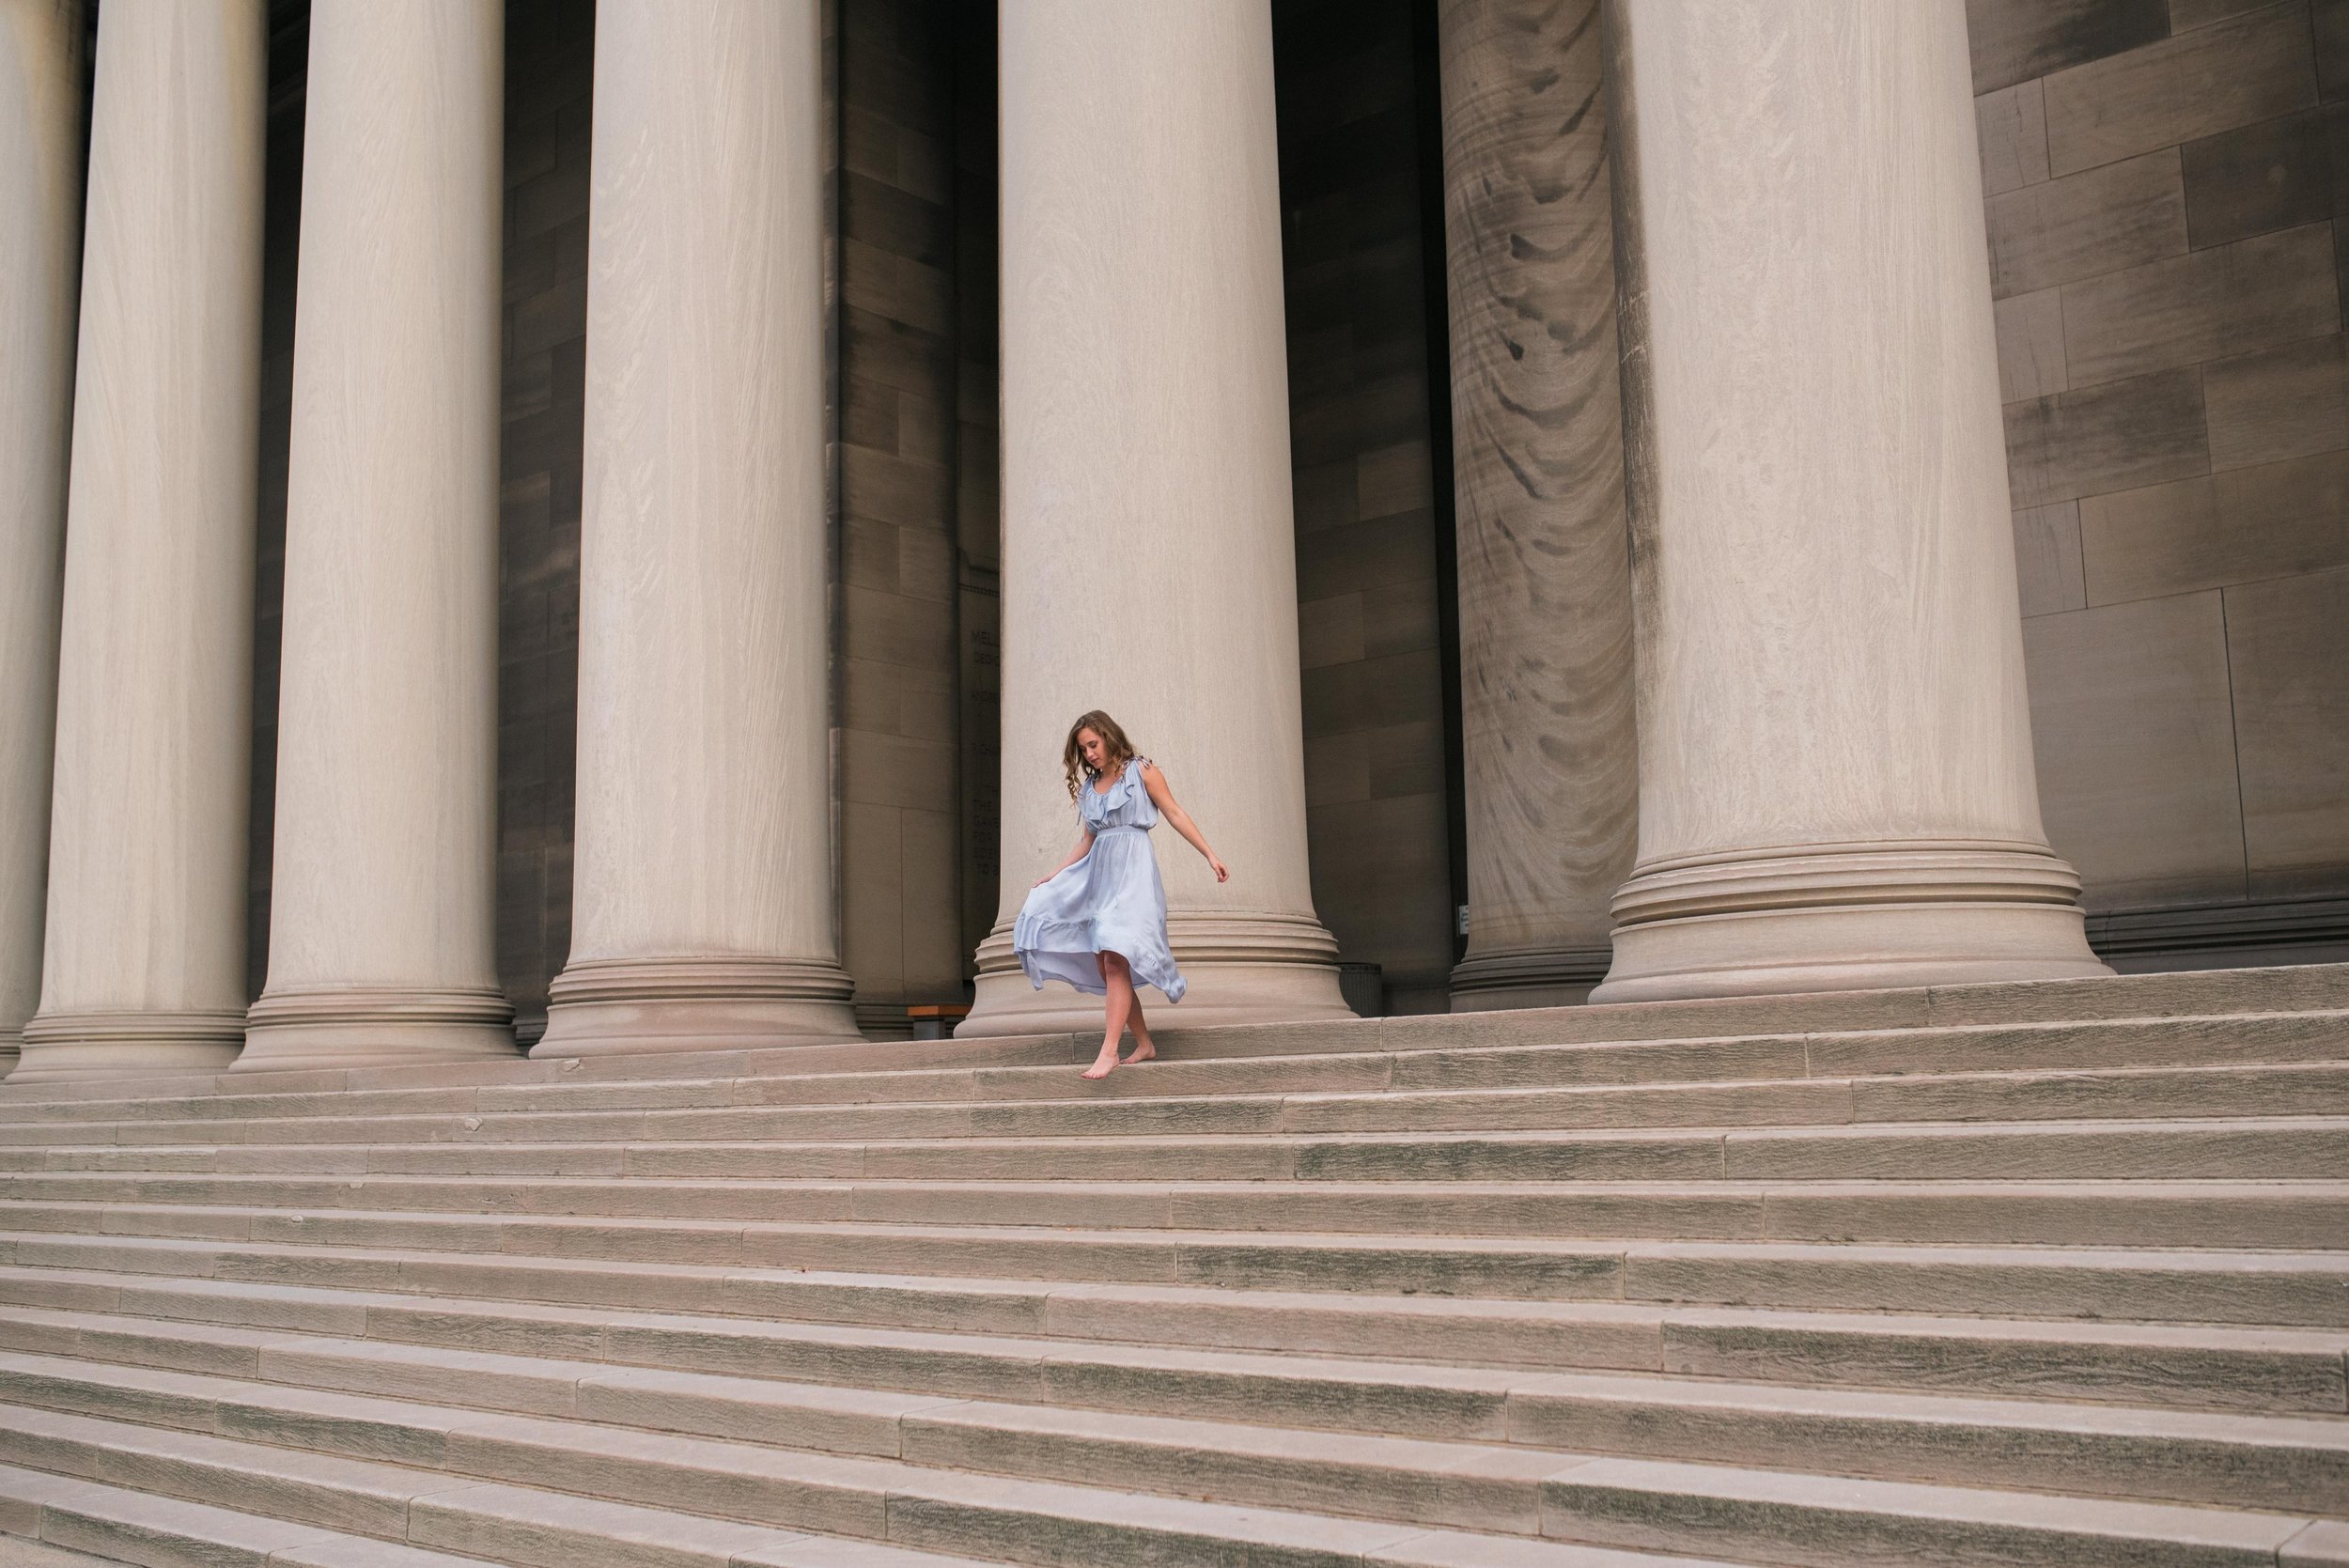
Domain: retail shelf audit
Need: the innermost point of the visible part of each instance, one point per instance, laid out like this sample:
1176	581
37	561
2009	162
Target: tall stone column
145	963
40	233
382	912
702	876
1552	751
1150	565
1836	785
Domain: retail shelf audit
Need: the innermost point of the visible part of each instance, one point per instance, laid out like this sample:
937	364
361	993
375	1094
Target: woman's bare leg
1117	1004
1143	1050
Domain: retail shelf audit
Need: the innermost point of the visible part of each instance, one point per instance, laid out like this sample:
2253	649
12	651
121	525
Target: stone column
1149	541
40	235
144	965
1545	698
702	884
381	913
1836	786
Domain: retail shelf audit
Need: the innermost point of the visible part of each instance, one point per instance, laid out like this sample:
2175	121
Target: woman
1099	922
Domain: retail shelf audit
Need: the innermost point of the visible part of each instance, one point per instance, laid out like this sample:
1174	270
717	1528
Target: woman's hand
1046	877
1216	866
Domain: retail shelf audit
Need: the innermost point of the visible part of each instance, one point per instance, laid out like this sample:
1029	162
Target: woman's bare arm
1084	848
1179	820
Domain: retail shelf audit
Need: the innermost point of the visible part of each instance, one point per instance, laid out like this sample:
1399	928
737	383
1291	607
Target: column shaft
1546	712
381	923
145	963
701	879
1836	785
1148	537
40	233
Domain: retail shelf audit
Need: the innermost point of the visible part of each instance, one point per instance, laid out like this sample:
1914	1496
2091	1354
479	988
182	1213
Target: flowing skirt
1112	901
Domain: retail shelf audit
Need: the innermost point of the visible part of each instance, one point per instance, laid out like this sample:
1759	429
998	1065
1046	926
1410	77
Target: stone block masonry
2163	191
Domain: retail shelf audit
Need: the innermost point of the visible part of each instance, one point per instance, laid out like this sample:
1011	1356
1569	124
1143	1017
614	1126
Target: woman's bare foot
1144	1051
1103	1063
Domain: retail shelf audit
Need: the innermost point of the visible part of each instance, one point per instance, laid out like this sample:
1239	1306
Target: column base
1241	968
626	1006
60	1047
1841	918
1550	977
339	1026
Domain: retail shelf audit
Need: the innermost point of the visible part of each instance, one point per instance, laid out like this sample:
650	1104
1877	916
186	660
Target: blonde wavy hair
1118	750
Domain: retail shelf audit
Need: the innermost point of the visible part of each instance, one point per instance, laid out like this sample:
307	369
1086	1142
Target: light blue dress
1112	901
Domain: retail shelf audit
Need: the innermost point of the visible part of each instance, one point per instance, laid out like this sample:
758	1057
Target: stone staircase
2029	1274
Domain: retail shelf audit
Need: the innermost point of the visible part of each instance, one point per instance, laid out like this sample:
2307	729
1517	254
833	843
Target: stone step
438	1351
2262	1462
2276	1289
2233	1216
2271	1148
1510	1050
412	1347
2298	1011
1322	1095
860	1056
1491	1488
2191	1367
1661	1506
1831	1521
2268	1462
2009	1274
2170	1093
1627	1156
526	1529
208	1324
1659	1083
85	1522
243	1206
2007	1076
502	1486
351	1248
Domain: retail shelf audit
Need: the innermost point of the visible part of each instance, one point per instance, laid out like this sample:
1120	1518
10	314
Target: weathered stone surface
705	912
2018	39
2031	345
2012	126
2291	731
2049	575
1545	561
41	53
383	892
17	1552
2006	1282
2195	84
142	962
2277	173
2116	436
2102	220
2142	793
2279	520
2286	402
2271	290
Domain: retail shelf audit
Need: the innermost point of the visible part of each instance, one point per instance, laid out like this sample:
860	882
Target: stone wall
288	53
897	658
1372	552
978	470
2163	181
549	68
